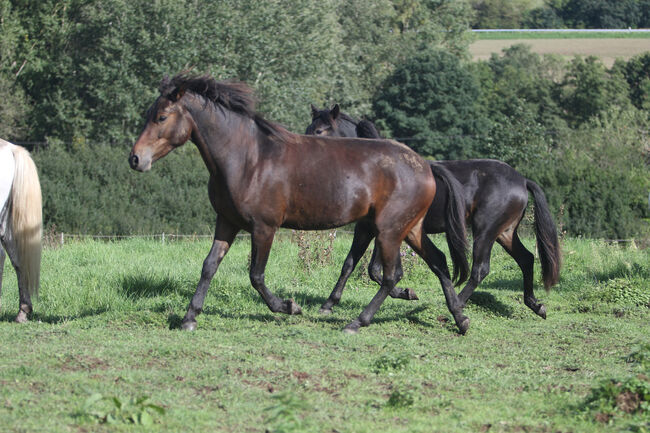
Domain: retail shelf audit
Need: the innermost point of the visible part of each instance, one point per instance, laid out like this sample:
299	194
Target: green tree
601	14
430	102
589	90
14	107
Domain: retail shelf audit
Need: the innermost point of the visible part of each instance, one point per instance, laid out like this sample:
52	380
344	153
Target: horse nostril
133	161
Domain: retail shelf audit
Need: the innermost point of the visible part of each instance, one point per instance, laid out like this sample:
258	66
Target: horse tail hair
367	129
27	218
547	240
455	227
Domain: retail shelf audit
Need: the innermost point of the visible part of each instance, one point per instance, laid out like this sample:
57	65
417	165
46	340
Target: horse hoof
352	328
463	326
190	325
541	311
21	317
410	295
292	307
325	310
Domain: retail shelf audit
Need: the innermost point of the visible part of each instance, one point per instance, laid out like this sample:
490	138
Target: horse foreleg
261	240
224	236
481	250
362	237
374	270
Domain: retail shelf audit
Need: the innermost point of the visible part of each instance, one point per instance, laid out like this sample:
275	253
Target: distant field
562	35
607	46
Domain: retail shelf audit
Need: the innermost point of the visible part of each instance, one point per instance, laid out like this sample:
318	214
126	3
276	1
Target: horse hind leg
2	268
25	300
525	260
481	250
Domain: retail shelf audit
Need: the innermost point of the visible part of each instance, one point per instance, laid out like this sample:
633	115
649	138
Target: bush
430	103
92	190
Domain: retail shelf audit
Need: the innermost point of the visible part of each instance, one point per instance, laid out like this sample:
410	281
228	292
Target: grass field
100	342
607	46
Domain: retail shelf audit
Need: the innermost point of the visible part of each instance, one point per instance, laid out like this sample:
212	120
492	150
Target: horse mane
367	129
233	95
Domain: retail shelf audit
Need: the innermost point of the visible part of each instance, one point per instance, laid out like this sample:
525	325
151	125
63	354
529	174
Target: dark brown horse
495	199
263	177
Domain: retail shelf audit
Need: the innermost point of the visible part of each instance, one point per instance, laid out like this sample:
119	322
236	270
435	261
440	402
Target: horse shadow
54	319
308	301
489	303
151	286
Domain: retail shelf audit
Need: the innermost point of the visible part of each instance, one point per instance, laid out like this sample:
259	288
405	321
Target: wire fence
60	238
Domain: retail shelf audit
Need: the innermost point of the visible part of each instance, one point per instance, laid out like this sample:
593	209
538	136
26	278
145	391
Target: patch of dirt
628	401
603	417
82	362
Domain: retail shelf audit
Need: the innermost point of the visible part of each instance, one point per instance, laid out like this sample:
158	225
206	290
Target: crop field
607	46
103	352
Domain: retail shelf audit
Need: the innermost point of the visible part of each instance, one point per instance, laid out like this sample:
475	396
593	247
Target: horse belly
324	209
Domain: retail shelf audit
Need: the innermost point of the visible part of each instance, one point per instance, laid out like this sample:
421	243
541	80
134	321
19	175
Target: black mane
232	95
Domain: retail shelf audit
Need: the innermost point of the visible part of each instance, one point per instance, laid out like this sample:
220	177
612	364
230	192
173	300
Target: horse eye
319	131
162	118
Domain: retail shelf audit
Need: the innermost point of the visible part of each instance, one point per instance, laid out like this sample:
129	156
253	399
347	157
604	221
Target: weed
284	416
113	410
401	397
314	248
391	361
641	357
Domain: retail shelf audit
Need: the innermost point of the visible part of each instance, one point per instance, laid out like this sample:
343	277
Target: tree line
561	14
78	75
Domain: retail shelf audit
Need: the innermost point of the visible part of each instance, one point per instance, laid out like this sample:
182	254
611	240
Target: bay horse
21	222
263	177
495	199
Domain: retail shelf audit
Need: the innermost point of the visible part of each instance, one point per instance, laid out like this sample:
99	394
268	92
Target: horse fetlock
463	324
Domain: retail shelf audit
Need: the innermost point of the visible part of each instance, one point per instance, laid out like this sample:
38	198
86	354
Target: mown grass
101	328
561	35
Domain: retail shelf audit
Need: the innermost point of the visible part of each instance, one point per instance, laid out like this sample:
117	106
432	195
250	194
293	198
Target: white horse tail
27	218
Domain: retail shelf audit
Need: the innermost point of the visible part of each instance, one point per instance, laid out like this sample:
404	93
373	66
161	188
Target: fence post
163	238
62	238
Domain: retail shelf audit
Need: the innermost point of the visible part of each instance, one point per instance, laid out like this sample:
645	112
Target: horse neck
346	128
224	138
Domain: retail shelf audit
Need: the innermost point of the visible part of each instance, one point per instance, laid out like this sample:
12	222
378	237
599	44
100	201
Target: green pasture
561	35
102	352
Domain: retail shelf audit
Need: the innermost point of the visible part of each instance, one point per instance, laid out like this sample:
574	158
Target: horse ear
177	94
314	111
335	111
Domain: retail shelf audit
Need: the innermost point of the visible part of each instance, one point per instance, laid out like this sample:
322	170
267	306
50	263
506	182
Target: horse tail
367	129
27	218
455	227
547	241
